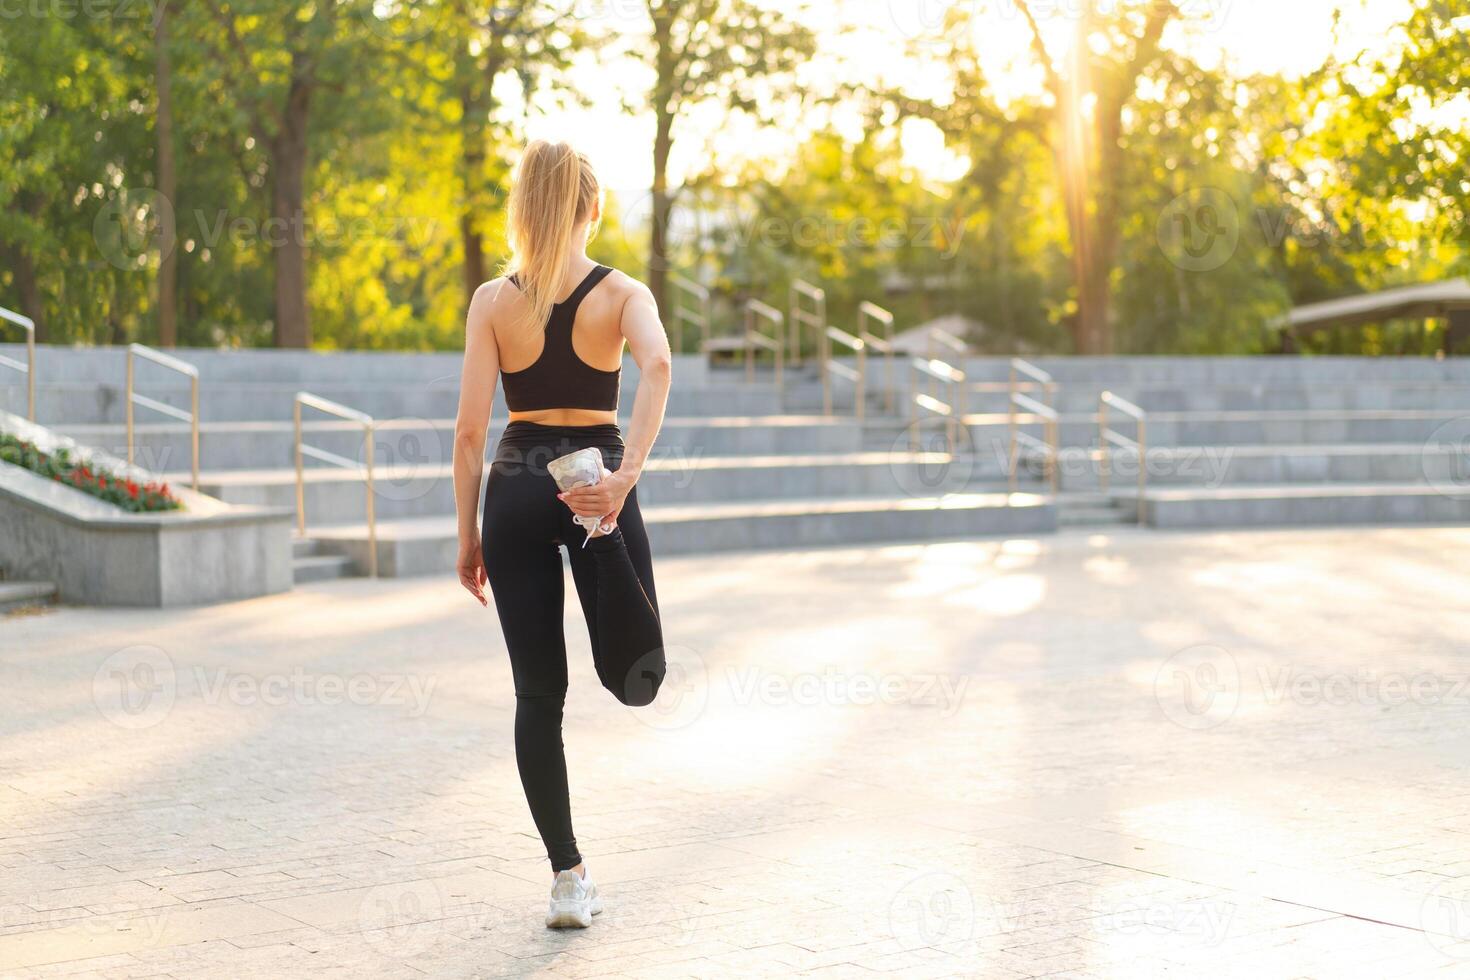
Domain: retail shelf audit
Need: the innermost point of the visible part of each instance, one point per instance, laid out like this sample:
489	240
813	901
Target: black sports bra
559	378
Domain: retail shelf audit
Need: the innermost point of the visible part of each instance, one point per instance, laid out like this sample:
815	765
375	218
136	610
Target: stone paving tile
1130	755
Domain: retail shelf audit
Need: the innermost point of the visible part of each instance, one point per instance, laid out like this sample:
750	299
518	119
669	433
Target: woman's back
564	371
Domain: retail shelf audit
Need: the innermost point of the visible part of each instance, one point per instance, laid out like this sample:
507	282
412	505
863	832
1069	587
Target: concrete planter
98	554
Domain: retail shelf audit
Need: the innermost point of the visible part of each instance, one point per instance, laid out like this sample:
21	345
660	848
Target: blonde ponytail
554	190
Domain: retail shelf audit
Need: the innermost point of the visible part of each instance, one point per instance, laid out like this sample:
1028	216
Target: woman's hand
471	566
604	500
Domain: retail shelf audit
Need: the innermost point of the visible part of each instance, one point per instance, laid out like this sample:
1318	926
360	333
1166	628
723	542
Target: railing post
861	392
1011	450
372	522
128	400
31	373
1102	442
300	473
1142	471
1053	432
749	343
194	426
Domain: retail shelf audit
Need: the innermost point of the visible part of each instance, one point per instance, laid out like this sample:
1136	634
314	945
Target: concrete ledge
97	554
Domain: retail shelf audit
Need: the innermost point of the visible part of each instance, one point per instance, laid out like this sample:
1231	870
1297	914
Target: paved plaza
1121	755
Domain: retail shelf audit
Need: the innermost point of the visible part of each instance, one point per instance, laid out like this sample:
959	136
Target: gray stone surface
99	554
1124	755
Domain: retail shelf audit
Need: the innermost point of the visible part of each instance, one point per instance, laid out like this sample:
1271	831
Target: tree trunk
23	272
168	267
658	245
287	232
472	164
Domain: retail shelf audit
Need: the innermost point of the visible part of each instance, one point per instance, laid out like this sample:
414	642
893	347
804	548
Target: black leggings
524	526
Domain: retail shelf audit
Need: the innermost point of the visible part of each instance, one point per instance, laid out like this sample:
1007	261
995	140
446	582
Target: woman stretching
553	331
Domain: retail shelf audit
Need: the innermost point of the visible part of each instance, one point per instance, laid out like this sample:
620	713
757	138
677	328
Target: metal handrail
952	411
29	367
830	366
1048	446
883	345
683	315
1107	437
133	398
799	317
302	450
755	311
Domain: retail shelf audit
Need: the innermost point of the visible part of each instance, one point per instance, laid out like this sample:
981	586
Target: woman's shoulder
622	287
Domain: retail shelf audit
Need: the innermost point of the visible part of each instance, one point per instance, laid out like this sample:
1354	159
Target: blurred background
1055	176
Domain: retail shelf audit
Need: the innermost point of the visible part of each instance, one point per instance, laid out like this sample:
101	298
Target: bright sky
870	40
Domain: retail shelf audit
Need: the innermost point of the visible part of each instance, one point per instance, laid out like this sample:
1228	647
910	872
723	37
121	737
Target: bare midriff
566	416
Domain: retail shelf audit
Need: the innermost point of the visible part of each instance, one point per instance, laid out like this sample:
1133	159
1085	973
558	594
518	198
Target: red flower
132	490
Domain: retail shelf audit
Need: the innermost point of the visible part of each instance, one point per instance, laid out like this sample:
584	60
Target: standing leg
614	578
525	572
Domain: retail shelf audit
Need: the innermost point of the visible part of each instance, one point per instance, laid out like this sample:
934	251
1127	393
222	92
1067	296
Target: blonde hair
553	191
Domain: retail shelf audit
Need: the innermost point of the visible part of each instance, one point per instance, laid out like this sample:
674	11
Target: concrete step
1080	398
428	546
163	447
320	568
1214	466
15	596
1325	504
337	495
69	402
1291	428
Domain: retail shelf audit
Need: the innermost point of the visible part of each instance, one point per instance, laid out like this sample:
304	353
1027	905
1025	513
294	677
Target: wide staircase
1238	442
945	446
739	464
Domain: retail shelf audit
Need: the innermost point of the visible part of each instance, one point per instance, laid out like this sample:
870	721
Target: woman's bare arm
477	382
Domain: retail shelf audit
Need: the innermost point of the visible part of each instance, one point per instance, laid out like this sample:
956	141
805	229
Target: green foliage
1349	179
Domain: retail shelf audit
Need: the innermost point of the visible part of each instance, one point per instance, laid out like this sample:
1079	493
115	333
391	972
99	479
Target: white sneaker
574	901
